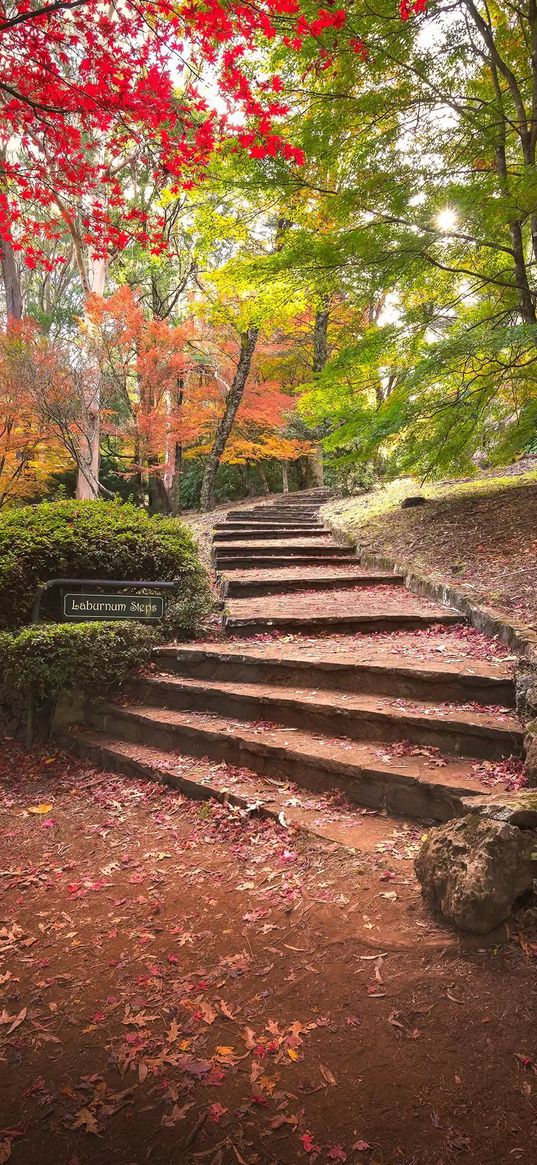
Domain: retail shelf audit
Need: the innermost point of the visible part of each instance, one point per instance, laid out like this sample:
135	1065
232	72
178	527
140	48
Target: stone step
203	780
306	558
369	774
488	735
385	674
255	587
347	621
247	533
266	513
282	547
297	525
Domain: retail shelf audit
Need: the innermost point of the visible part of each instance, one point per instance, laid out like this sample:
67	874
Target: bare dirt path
180	984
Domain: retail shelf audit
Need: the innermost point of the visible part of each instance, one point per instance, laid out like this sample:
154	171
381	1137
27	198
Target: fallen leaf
39	808
208	1012
328	1075
336	1153
308	1144
85	1120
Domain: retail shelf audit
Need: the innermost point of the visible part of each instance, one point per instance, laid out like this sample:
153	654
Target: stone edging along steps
402	736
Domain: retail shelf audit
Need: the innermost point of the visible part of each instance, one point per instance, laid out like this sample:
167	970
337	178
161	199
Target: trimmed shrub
95	540
51	658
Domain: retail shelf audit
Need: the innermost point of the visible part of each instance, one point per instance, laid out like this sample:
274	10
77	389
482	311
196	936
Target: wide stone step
346	621
269	513
247	533
256	587
489	735
276	664
282	547
277	561
411	785
261	528
269	523
243	788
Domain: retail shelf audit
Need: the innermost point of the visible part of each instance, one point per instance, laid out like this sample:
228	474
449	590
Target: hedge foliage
89	657
95	540
72	539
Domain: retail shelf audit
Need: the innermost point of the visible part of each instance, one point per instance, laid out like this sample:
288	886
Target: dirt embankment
479	536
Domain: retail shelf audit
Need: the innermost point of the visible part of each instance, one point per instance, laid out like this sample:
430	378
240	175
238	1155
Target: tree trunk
174	456
285	477
175	488
263	476
320	336
315	470
234	397
12	284
87	482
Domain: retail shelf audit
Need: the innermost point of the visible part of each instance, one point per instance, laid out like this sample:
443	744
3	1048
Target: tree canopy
352	188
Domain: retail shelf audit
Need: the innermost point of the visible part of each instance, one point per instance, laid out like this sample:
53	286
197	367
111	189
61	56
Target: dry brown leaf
208	1012
85	1119
328	1075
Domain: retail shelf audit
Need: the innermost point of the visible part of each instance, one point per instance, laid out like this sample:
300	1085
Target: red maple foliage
87	91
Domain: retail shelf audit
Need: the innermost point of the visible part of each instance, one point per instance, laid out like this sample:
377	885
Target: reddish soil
183	984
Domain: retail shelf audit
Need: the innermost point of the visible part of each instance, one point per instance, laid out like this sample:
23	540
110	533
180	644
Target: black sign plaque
83	607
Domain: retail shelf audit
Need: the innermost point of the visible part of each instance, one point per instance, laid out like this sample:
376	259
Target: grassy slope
480	535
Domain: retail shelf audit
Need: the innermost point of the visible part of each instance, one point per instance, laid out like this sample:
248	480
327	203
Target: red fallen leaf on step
361	1146
353	1021
336	1153
308	1144
217	1111
192	1066
255	915
98	1017
526	1061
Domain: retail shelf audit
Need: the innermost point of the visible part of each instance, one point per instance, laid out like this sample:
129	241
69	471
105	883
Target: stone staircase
330	675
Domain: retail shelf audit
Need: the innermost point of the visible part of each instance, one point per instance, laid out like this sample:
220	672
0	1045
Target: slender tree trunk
315	470
263	476
87	482
234	397
320	336
12	284
175	488
174	456
285	477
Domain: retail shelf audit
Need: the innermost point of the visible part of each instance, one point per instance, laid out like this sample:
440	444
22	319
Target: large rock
473	869
517	808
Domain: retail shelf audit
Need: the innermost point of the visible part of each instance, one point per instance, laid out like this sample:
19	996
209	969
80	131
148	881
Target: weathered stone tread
478	732
413	785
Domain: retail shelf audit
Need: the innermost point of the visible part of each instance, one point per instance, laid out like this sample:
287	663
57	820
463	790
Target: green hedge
55	657
96	540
